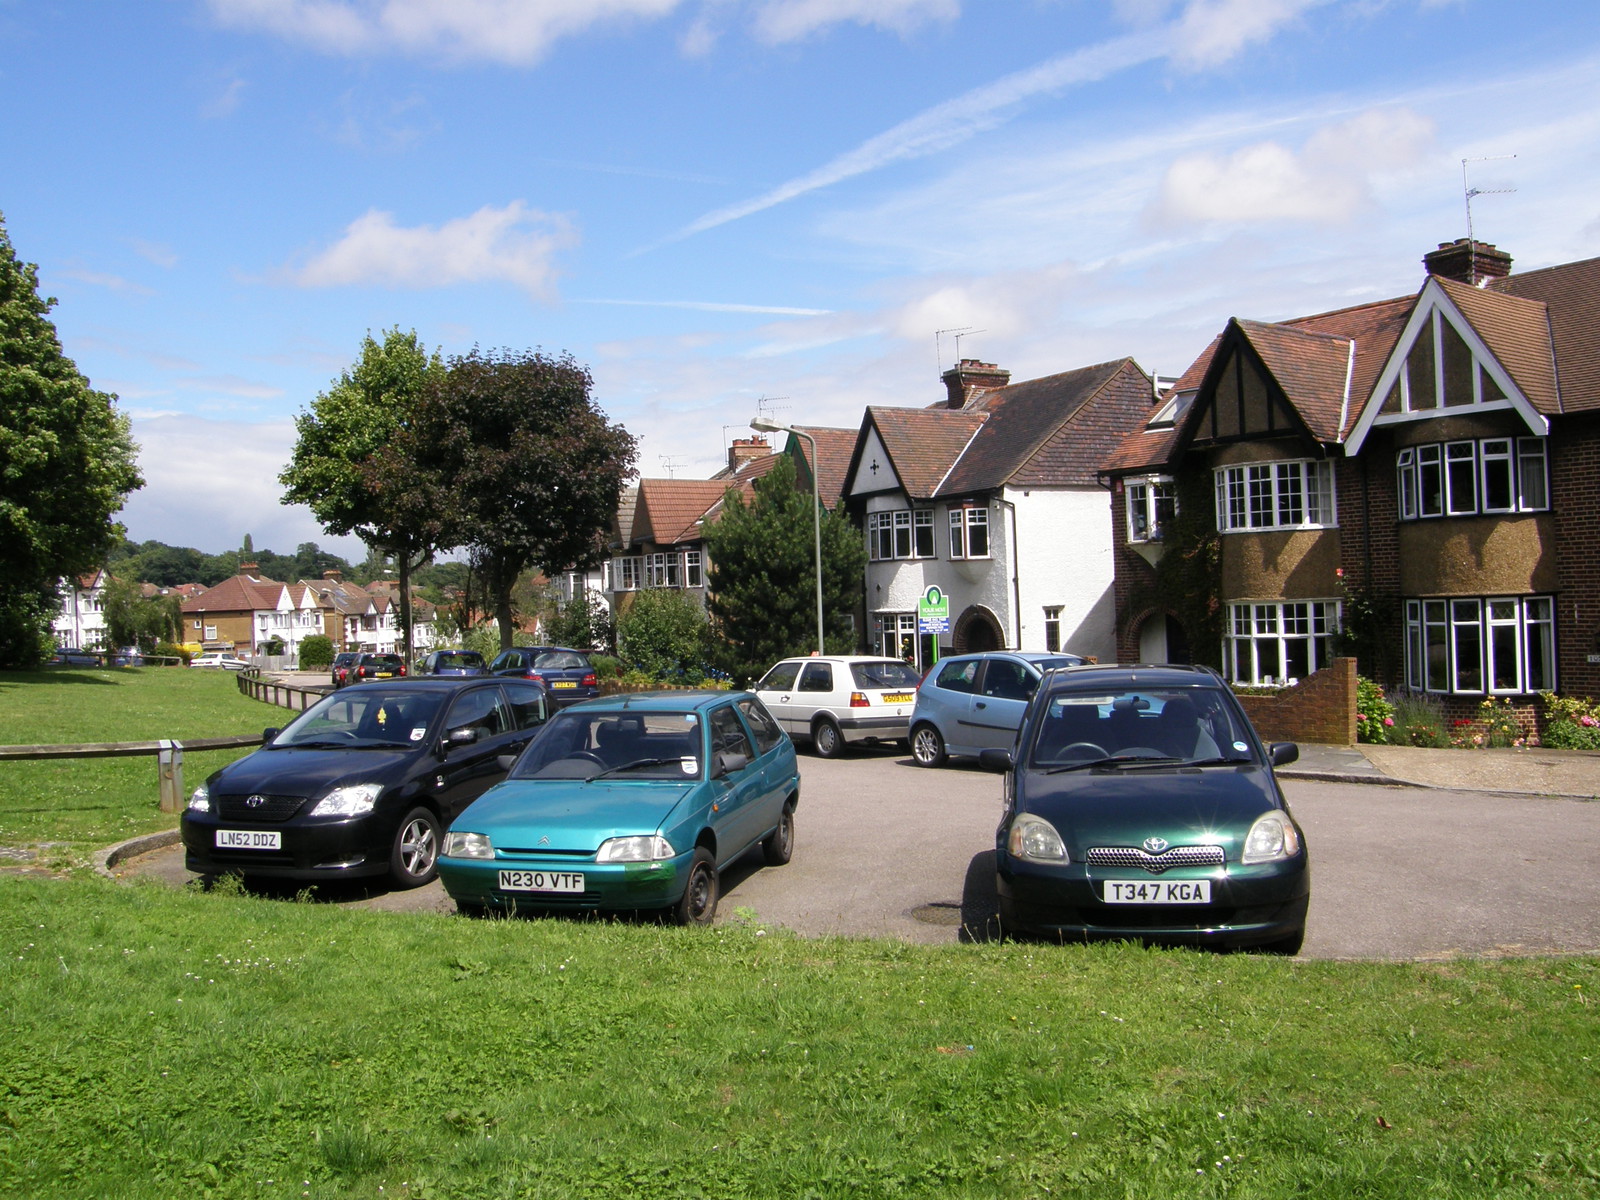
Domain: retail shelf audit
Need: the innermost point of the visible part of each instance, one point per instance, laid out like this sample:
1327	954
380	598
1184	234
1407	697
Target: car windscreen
1186	724
560	660
886	674
625	745
363	717
458	658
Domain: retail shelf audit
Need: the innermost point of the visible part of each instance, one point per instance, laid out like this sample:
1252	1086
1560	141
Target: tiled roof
1312	368
239	593
834	447
1572	293
924	442
669	510
742	481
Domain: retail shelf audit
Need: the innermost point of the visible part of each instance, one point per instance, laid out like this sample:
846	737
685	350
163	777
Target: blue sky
712	202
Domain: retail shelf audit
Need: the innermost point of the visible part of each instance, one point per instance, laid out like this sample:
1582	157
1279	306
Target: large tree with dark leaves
355	463
67	462
762	578
535	467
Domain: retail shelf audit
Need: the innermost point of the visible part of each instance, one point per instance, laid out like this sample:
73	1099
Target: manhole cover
940	912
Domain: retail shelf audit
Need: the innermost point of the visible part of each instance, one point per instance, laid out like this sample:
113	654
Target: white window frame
898	534
1278	494
1481	645
1261	637
966	522
1433	476
1150	503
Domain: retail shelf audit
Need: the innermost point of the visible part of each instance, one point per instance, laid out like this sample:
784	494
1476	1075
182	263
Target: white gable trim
1433	303
864	482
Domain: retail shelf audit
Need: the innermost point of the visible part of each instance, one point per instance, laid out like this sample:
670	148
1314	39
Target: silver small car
830	701
974	702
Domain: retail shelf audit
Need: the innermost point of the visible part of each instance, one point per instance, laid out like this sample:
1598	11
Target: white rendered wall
1064	537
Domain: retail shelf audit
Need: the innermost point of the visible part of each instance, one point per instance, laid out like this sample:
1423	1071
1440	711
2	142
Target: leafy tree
316	651
67	462
583	622
536	468
664	633
762	578
134	619
350	464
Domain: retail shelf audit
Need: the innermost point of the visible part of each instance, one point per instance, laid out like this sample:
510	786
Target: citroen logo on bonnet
255	801
1155	844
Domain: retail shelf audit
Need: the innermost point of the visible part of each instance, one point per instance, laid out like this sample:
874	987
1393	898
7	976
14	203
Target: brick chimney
744	450
969	377
249	568
1468	261
334	576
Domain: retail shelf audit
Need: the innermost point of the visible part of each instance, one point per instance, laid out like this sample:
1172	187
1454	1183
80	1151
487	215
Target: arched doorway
977	630
1162	640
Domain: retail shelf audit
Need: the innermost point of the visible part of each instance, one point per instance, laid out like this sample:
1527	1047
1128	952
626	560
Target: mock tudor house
1414	479
994	498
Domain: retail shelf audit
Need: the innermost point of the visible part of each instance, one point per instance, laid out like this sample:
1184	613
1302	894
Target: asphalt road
885	848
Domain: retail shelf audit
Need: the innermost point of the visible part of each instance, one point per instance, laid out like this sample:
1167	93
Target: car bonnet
292	771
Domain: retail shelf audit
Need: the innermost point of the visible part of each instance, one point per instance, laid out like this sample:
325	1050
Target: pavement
1528	771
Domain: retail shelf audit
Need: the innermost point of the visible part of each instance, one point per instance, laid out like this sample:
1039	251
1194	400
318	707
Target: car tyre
777	847
826	739
927	747
415	858
1287	947
698	906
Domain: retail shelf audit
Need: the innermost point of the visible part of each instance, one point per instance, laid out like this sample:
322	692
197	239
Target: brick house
1413	480
993	497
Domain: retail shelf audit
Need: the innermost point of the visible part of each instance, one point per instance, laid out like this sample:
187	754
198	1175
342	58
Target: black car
342	664
362	782
453	662
567	674
377	666
1140	803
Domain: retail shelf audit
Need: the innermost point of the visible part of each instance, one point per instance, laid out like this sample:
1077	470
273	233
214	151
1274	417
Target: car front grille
1172	856
271	808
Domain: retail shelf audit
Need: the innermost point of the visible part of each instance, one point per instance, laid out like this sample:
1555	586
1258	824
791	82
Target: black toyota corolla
362	782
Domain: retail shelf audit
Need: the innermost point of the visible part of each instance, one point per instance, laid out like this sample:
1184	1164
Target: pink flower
1388	720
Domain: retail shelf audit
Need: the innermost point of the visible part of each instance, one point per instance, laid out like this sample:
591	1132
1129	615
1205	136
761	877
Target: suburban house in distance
82	621
1420	473
994	497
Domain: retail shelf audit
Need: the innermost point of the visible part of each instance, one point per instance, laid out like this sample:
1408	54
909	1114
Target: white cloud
518	32
159	254
1328	181
103	279
226	102
791	20
1210	32
514	244
714	306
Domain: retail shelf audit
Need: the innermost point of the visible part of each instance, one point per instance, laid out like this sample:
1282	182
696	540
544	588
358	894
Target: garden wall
1320	709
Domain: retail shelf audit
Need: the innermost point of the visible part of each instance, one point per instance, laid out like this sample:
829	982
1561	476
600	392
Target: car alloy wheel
416	849
927	747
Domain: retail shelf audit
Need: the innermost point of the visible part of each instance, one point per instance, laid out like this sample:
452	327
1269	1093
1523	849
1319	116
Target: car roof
839	658
432	683
665	701
1134	675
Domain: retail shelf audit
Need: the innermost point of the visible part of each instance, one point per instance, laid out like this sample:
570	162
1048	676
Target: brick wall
1321	709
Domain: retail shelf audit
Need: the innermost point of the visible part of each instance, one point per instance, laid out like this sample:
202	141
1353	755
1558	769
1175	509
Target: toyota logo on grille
1155	845
255	801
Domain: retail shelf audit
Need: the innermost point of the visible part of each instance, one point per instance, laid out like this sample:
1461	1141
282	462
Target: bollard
169	766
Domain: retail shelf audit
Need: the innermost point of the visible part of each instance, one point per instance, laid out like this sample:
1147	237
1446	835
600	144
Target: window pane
1467	637
902	535
1291	494
1260	497
924	534
1497	475
1532	474
977	532
1436	650
1461	477
1430	481
958	539
1406	465
1138	514
1539	620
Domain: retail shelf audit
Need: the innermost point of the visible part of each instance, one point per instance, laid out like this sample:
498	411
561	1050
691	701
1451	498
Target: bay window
1500	645
969	533
1275	495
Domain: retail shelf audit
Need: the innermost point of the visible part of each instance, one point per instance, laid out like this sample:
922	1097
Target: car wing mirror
465	736
268	734
506	761
727	762
996	760
1283	753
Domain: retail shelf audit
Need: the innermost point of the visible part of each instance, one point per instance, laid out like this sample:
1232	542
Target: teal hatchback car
629	802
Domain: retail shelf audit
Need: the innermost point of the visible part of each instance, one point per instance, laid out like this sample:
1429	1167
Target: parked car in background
453	662
342	664
362	783
377	666
72	656
218	659
567	673
630	802
1141	803
970	702
833	701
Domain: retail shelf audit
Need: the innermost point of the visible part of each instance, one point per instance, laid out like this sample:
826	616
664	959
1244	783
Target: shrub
606	667
173	650
1419	720
1500	725
316	651
1573	724
1374	713
664	634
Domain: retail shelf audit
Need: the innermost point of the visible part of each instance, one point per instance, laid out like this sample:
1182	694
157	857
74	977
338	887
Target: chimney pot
1467	261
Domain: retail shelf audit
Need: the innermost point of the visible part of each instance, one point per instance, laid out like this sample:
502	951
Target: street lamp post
768	425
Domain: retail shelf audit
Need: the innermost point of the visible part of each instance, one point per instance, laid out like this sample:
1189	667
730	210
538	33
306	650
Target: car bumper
1250	906
614	887
348	849
860	729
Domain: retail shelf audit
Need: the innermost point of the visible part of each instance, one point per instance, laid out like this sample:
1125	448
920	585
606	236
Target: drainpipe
1016	586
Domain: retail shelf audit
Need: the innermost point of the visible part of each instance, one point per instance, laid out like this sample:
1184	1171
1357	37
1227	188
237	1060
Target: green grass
167	1043
76	806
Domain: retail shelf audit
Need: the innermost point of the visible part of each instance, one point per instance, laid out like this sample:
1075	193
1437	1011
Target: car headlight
1034	837
653	848
1272	838
200	801
468	845
349	801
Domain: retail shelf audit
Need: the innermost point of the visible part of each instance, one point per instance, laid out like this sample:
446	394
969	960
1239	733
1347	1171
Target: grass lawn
80	805
164	1043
